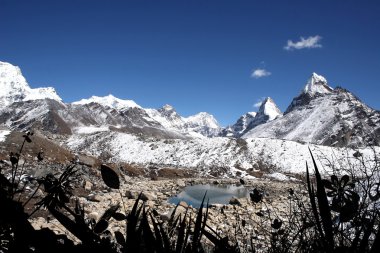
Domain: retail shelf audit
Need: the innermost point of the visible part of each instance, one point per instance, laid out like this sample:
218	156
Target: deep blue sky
194	55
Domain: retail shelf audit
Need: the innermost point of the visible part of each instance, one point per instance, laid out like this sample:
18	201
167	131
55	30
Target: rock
234	201
82	200
39	223
148	196
93	215
183	204
131	195
150	203
216	206
94	198
256	173
39	194
181	183
165	217
87	185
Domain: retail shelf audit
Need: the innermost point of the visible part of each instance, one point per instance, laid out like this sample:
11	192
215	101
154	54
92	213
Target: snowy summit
317	84
269	108
110	101
14	87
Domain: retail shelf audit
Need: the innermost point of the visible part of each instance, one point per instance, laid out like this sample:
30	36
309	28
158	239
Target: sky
220	56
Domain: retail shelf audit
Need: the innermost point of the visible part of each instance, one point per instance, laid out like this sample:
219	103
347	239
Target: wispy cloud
258	73
259	102
310	42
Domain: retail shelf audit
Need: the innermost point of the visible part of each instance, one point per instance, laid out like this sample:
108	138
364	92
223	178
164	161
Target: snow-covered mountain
268	111
240	126
14	87
326	116
201	124
319	114
109	101
23	108
127	132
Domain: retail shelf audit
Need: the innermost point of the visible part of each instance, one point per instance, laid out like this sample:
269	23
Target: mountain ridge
319	114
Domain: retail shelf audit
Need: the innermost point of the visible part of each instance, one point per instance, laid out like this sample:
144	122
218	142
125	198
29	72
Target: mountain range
117	130
319	114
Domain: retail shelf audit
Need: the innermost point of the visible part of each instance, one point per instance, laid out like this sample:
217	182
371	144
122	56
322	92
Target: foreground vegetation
337	215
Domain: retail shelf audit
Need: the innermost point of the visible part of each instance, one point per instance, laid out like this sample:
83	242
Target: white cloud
310	42
258	73
259	102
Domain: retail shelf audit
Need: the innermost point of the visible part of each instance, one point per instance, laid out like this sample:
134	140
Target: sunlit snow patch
3	134
90	130
280	177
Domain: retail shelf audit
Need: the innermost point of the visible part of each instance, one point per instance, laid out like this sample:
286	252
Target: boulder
87	185
181	183
131	194
165	216
93	197
235	201
93	215
183	204
148	196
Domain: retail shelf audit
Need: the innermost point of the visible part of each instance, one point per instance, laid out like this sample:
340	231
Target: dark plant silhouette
341	215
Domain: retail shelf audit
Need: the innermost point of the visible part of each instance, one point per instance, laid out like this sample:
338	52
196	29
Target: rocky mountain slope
232	156
325	116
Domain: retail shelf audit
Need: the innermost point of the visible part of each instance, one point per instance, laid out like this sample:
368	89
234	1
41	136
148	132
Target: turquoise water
216	194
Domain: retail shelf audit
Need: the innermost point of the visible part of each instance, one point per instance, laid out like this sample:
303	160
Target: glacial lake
216	194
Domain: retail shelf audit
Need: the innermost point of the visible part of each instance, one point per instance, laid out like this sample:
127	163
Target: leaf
197	227
133	235
101	226
334	179
149	240
324	209
310	190
165	238
331	194
181	243
110	177
119	216
220	244
328	185
119	238
159	240
110	212
344	180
